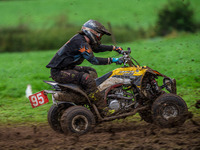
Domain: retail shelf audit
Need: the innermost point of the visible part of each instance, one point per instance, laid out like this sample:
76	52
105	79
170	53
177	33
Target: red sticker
38	99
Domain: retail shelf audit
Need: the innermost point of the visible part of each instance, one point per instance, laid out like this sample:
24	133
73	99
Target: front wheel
169	110
77	119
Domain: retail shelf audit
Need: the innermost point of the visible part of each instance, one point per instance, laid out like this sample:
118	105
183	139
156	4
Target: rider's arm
87	53
103	48
95	60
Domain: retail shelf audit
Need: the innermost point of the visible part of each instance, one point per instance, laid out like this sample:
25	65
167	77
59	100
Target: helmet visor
97	34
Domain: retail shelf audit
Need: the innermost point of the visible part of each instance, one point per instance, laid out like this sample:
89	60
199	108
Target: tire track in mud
106	136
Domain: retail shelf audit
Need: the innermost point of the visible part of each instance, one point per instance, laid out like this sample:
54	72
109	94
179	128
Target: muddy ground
132	135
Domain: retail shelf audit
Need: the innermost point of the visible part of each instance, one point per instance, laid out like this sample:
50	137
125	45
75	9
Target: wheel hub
170	111
79	123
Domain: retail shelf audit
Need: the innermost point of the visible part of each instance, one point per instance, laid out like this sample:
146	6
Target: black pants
83	76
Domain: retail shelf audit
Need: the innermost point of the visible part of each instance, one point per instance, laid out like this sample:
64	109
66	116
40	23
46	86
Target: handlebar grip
122	51
129	49
125	52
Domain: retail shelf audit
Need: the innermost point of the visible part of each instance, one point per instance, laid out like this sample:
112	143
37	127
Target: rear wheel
77	119
169	110
54	115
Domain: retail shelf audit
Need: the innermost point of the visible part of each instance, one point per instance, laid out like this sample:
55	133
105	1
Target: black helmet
94	31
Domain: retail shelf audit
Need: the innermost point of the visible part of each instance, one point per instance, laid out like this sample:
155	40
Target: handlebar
126	52
127	58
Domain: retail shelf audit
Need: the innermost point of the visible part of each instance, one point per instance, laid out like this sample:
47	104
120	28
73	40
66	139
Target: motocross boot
95	96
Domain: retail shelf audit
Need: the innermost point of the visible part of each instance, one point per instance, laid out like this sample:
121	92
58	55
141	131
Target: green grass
174	56
46	13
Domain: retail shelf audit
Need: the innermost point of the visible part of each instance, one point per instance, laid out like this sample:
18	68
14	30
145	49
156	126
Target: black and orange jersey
75	51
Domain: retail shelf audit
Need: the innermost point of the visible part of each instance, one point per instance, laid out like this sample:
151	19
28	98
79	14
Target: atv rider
81	46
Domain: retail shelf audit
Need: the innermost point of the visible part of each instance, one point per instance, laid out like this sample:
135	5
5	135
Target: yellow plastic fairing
129	71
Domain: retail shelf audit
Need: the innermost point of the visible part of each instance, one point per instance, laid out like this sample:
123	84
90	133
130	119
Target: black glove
118	49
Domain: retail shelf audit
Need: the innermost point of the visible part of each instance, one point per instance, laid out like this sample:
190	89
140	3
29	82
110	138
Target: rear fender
67	104
74	88
68	88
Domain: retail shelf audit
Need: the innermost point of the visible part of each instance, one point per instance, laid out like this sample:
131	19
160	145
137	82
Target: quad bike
127	90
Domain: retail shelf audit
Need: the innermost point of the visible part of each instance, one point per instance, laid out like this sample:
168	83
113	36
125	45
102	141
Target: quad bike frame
163	106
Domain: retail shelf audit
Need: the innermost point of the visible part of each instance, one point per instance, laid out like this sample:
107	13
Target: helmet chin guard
94	31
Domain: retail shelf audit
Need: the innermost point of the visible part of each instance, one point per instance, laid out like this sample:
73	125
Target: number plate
38	99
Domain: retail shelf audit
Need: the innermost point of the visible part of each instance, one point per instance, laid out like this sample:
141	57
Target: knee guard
87	82
93	74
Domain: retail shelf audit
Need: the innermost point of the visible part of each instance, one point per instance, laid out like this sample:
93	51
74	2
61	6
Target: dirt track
108	136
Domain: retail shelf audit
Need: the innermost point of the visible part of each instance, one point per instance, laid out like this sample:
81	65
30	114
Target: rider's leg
89	85
85	80
65	76
91	71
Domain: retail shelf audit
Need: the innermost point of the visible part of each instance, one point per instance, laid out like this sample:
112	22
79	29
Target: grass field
46	13
174	56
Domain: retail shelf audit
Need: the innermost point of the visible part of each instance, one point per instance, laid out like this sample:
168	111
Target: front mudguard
174	90
170	85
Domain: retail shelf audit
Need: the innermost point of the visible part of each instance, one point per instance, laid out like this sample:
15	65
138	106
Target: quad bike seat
57	85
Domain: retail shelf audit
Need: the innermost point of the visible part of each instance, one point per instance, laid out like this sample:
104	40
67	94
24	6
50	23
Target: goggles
98	35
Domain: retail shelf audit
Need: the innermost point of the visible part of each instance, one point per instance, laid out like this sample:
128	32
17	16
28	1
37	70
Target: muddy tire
77	119
169	110
54	115
197	105
146	115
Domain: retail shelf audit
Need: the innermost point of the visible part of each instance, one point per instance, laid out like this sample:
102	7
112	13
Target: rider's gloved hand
118	49
117	60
